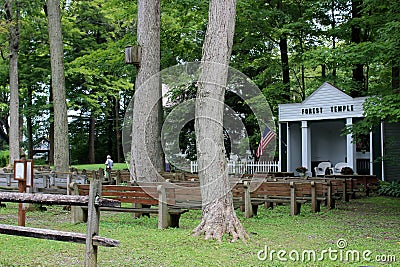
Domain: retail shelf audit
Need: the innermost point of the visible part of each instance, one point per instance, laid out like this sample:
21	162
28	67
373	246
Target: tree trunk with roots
219	216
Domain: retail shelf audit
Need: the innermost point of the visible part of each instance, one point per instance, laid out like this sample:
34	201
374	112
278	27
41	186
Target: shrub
4	157
301	169
389	189
346	171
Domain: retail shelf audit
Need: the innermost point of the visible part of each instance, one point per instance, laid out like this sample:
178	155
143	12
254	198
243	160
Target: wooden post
330	202
314	204
345	195
21	210
93	223
163	216
77	213
293	203
248	209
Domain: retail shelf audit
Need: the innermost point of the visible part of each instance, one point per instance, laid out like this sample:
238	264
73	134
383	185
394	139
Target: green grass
365	224
93	167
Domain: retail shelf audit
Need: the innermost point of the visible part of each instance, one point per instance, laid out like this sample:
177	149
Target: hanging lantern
133	55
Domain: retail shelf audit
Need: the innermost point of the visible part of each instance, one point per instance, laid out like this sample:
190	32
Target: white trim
305	145
239	167
350	146
280	142
371	154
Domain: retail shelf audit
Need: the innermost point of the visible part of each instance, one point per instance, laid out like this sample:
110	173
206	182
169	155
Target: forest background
288	48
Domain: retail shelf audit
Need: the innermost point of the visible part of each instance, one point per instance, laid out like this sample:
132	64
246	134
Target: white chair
338	168
321	169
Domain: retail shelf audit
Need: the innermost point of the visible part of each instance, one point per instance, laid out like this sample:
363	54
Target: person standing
109	165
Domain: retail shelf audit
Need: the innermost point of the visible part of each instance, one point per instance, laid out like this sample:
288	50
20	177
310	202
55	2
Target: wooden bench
358	183
188	193
140	197
294	193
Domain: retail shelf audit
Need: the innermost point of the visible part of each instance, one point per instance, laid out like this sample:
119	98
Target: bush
4	157
347	171
389	189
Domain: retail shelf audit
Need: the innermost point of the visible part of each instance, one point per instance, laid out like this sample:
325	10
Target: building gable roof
327	102
327	92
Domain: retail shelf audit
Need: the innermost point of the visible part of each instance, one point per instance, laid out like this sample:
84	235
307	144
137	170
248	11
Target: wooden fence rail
91	238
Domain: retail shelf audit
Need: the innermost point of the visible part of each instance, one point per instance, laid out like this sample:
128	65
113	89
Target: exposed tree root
219	218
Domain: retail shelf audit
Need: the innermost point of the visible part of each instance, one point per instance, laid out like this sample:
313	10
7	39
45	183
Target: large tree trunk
146	152
92	126
51	130
358	69
14	137
29	126
117	129
283	47
61	142
219	216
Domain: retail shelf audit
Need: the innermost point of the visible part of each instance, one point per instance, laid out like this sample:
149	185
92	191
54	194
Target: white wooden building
312	132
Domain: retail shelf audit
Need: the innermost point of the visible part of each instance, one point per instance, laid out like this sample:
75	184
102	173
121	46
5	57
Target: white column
350	146
305	145
280	144
371	155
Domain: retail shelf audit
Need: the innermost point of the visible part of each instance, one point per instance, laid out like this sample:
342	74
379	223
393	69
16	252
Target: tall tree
14	29
358	69
61	142
146	151
219	216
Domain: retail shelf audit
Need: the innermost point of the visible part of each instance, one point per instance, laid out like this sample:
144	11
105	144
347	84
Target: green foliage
389	189
4	158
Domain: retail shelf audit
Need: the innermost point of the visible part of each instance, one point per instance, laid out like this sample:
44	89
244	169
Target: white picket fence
238	167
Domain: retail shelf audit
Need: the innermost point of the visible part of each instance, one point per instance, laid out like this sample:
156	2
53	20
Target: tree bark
51	129
358	68
61	142
14	133
283	47
117	129
146	152
219	216
92	126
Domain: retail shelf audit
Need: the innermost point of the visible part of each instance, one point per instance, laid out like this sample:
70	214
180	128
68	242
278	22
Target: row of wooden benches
171	199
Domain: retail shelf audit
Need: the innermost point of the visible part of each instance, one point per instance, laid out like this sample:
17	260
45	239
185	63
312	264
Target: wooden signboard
20	170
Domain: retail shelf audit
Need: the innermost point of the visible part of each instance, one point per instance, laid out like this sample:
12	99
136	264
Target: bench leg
140	214
255	209
316	206
174	220
269	205
295	209
78	214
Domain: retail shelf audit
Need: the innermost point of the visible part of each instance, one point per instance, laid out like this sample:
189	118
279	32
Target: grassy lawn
94	167
366	225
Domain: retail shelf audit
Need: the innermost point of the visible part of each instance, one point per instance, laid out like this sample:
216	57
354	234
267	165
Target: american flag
266	138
